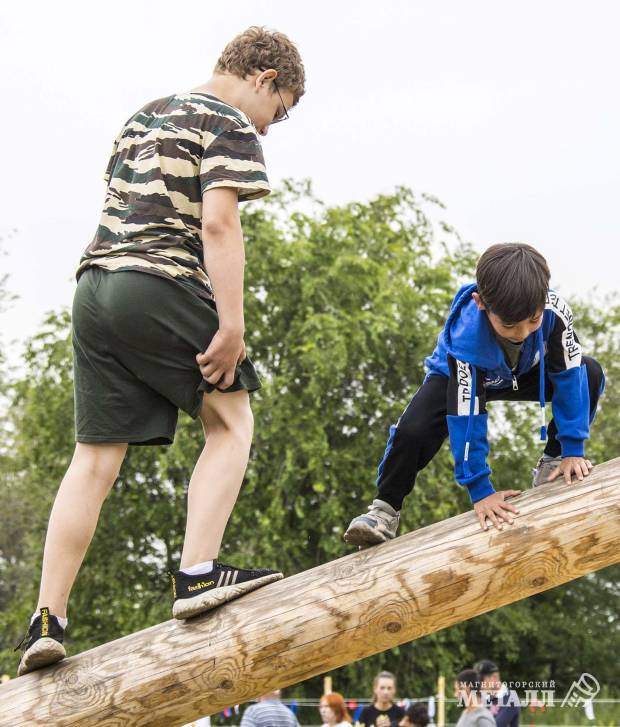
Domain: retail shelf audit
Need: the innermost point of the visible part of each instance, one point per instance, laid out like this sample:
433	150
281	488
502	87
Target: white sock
198	569
62	621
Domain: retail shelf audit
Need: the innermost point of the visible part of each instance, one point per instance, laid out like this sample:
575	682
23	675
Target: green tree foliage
343	304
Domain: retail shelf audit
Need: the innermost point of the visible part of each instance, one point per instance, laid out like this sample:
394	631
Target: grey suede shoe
543	469
379	525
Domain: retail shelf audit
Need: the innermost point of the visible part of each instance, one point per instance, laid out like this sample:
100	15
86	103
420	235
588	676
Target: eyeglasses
285	115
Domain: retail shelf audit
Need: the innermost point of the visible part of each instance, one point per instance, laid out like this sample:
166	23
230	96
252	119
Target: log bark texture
329	616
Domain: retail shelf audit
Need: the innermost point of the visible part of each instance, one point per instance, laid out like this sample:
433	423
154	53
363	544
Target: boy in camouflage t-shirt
148	338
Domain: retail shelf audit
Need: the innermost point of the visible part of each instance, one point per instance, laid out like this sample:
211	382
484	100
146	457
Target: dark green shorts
135	340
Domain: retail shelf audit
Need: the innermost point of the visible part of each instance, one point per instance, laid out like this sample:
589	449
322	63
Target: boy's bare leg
91	474
216	480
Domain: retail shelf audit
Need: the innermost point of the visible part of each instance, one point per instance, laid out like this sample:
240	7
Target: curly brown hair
259	48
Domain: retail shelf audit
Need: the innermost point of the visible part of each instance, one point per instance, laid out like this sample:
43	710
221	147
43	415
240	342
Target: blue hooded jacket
480	364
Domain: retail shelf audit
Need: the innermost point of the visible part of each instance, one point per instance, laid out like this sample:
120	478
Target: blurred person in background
502	702
333	711
269	712
382	712
416	715
467	692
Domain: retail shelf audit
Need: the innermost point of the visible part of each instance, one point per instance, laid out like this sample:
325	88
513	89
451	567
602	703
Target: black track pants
422	428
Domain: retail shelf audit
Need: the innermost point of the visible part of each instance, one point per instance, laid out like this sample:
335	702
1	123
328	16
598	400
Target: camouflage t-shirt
166	156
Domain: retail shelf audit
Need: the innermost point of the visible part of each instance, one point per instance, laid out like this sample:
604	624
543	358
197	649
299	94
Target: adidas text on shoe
42	645
379	525
194	595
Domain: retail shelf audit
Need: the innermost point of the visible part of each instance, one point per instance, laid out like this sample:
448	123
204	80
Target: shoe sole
43	652
362	534
184	608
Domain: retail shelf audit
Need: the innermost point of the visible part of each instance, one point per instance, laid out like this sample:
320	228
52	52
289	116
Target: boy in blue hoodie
508	337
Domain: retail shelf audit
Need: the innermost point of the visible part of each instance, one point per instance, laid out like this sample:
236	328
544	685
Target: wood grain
329	616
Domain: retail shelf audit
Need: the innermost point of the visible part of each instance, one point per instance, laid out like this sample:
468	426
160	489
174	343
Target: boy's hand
218	363
577	465
494	508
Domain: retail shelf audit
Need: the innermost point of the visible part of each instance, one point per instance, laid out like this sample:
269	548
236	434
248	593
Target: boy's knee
100	462
595	372
411	430
233	416
244	424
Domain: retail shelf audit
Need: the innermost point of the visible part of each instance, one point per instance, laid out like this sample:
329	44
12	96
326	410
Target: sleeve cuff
573	447
480	490
245	190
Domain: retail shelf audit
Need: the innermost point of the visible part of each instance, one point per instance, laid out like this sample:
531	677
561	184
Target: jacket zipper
515	386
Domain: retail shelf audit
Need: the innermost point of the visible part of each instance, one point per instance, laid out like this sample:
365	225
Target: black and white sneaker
196	594
42	644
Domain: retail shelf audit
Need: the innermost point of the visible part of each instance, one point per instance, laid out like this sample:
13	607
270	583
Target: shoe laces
23	641
225	566
219	564
381	514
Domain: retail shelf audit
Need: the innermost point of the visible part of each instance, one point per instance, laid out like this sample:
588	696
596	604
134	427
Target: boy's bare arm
224	258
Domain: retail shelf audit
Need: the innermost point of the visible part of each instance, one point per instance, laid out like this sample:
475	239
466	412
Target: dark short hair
469	678
485	667
418	714
513	280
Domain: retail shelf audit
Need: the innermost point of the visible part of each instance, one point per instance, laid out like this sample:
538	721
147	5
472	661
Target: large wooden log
329	616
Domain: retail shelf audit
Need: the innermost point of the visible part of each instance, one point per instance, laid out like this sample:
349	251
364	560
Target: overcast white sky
508	112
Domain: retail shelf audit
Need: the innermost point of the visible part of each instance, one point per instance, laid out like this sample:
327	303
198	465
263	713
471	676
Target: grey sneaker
543	469
379	525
